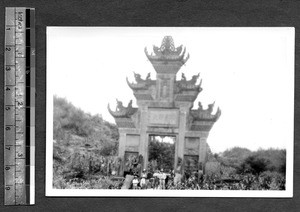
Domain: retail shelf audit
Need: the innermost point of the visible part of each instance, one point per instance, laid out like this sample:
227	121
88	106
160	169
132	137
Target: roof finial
167	44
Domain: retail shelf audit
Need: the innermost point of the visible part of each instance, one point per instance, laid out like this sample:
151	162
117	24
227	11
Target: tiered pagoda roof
167	61
167	52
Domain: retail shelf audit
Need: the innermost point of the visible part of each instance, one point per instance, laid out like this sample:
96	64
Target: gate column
122	143
143	148
181	133
203	147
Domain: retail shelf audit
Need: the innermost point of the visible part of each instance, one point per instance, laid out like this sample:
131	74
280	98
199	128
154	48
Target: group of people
156	180
197	181
161	179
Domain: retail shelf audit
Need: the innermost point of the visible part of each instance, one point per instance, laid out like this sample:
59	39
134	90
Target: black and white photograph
170	111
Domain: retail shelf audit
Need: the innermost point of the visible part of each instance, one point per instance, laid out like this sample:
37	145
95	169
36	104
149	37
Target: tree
163	153
234	157
254	164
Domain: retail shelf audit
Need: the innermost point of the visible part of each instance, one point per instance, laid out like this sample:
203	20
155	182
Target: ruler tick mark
20	22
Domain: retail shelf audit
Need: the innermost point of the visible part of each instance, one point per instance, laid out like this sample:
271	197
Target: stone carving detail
139	79
200	114
141	84
188	85
121	111
167	51
163	117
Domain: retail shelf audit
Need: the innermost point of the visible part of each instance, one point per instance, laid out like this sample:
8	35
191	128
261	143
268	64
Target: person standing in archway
178	171
162	179
135	182
143	180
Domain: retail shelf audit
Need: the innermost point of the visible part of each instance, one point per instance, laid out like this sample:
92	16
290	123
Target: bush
244	161
233	157
272	180
255	164
213	168
264	160
276	157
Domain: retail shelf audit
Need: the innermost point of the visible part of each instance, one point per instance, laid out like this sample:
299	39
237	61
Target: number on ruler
8	49
19	103
7	68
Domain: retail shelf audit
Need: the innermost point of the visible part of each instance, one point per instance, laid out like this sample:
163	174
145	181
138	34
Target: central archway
161	152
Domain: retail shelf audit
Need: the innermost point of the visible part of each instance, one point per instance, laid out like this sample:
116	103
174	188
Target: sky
248	72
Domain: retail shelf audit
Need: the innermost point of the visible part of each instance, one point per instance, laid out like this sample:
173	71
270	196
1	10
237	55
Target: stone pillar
181	132
176	153
146	152
144	137
122	144
202	148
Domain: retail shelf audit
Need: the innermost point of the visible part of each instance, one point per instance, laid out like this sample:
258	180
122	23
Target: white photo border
50	191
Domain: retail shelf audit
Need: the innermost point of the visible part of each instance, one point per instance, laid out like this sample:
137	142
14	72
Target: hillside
74	127
82	142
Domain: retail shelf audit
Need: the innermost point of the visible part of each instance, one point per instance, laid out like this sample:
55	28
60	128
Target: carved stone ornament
188	85
141	84
121	111
200	114
167	51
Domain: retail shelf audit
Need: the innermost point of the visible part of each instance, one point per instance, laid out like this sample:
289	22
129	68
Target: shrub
272	180
213	168
233	157
254	164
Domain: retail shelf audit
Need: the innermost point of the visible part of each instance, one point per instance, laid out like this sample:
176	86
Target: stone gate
165	108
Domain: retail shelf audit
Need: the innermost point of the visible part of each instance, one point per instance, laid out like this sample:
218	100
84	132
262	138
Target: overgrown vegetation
84	145
85	156
257	170
242	160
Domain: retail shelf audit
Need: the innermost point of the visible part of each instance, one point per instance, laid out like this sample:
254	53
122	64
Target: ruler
19	106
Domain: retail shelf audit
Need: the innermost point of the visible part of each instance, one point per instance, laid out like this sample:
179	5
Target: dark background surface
200	13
